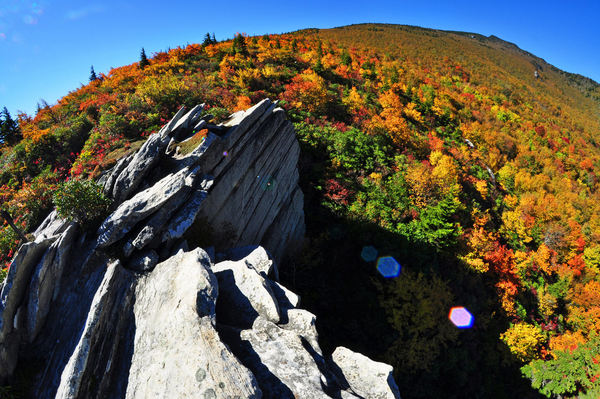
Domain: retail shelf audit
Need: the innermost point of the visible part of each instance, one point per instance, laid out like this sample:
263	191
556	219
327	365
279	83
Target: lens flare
369	253
461	317
388	267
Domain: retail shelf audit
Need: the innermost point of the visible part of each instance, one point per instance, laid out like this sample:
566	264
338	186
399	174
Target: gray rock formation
129	311
178	352
245	294
366	378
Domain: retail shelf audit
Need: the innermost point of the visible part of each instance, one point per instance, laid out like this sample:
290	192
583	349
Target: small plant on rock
81	200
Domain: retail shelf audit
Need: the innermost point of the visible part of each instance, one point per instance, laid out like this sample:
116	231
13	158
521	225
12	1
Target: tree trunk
6	216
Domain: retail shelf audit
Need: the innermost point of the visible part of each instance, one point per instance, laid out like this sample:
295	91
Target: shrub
81	200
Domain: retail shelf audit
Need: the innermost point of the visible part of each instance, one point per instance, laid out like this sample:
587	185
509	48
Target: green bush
81	200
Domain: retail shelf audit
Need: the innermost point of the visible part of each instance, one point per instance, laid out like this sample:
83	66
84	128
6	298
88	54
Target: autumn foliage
480	179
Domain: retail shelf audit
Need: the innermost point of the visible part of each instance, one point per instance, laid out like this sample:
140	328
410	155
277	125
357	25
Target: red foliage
336	192
541	130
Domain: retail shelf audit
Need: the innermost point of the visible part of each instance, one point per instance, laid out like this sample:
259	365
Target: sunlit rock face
137	309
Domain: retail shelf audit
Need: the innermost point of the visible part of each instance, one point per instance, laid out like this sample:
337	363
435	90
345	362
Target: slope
439	149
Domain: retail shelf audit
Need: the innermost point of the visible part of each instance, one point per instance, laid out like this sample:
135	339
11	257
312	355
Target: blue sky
48	46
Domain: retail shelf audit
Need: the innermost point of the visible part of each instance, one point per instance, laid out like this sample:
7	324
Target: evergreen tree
143	59
214	39
207	40
239	45
9	129
93	76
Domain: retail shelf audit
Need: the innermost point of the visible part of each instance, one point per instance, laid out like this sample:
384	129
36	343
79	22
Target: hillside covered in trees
473	163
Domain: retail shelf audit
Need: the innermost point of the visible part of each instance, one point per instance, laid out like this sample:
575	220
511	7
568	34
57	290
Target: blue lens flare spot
267	183
388	267
461	317
369	253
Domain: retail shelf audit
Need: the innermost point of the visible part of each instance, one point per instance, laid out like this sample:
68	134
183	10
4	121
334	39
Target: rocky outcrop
196	362
136	309
365	377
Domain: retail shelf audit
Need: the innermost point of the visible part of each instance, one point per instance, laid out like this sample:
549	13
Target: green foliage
435	226
239	45
346	59
81	200
573	373
113	124
559	289
352	149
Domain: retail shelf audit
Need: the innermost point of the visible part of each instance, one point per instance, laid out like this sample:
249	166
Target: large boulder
89	366
245	294
366	378
178	352
283	364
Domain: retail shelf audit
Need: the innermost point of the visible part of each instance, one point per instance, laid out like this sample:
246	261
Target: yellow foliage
33	133
543	257
482	188
514	222
159	68
422	188
511	201
390	119
480	243
269	71
245	76
308	91
445	173
546	303
438	107
154	89
410	111
523	340
376	176
353	100
436	182
591	257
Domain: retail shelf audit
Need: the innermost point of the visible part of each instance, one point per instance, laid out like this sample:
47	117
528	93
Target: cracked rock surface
136	309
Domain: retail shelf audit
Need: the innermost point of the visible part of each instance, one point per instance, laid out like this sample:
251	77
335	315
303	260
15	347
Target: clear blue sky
48	46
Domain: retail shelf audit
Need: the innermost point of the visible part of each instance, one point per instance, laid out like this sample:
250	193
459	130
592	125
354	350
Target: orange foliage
567	341
307	91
